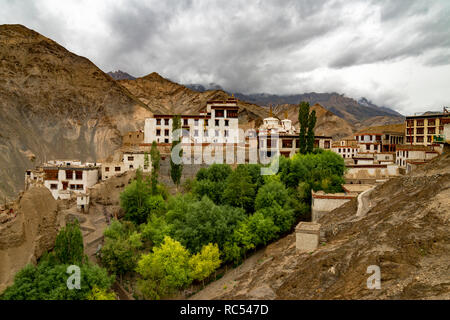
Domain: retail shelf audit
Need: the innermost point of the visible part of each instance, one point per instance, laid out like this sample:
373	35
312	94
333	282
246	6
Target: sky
396	53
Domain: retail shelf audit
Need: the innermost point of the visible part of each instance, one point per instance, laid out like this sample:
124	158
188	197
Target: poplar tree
155	156
311	136
307	122
176	169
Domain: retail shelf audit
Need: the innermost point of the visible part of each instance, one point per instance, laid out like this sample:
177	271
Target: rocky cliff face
55	104
31	233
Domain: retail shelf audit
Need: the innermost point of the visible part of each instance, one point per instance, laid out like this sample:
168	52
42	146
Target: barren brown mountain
55	104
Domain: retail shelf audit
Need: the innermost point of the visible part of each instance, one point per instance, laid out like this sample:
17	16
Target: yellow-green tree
205	262
164	270
101	294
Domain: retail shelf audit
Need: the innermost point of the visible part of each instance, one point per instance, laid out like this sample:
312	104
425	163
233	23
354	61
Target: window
117	169
227	122
79	187
420	131
131	166
28	173
217	123
432	122
429	139
287	143
69	174
107	169
225	133
420	123
185	122
419	139
220	113
166	132
130	158
53	186
158	122
205	133
195	133
73	187
196	122
166	122
206	122
78	175
158	132
166	140
217	133
431	130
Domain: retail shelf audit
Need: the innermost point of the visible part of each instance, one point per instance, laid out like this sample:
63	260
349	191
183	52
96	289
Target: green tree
205	262
176	169
48	281
210	182
164	270
146	161
303	116
311	136
133	200
155	156
239	190
120	251
197	223
69	248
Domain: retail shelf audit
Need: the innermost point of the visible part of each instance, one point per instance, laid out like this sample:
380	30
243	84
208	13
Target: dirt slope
55	104
406	233
25	238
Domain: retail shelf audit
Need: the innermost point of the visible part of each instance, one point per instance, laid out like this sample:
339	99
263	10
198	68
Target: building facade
217	123
426	129
65	177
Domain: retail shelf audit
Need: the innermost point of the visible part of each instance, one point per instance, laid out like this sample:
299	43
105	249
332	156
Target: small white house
83	202
63	178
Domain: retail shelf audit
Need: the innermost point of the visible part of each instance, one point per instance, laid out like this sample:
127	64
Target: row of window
196	122
54	186
421	123
186	133
78	175
419	139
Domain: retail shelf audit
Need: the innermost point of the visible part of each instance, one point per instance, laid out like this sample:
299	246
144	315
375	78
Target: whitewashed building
66	177
216	123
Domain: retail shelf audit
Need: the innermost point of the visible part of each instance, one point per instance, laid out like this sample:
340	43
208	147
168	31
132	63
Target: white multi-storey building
217	123
64	177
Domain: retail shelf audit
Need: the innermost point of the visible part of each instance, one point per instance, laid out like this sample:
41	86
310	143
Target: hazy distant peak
120	75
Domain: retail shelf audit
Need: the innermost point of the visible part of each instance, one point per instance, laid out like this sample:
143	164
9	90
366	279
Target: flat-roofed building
427	128
414	154
217	123
66	177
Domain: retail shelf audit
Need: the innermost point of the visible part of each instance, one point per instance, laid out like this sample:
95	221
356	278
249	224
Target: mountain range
56	104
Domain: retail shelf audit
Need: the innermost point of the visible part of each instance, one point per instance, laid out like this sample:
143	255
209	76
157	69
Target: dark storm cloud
274	46
410	37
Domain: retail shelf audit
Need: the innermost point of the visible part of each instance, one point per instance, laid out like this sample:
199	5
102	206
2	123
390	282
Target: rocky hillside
348	109
328	123
406	233
31	233
168	97
55	104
